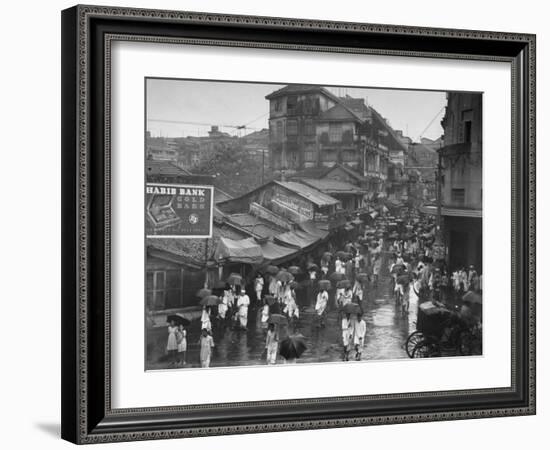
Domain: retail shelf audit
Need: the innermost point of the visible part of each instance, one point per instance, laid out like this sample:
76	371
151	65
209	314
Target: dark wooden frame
87	32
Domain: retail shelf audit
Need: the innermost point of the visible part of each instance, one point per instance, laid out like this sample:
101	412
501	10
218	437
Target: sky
177	108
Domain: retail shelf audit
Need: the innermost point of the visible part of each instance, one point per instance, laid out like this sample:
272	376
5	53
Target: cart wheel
413	339
425	349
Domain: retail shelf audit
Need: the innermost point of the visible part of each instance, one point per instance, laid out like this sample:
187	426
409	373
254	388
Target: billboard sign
178	210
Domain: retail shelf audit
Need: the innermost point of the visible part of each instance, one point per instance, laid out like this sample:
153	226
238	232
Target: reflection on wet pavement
387	331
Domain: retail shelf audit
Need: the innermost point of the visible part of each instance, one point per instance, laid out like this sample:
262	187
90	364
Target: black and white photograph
297	223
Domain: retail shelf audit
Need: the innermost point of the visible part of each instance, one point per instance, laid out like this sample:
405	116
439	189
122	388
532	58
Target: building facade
461	181
311	127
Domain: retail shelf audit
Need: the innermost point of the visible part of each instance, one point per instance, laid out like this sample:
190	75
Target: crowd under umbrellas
336	281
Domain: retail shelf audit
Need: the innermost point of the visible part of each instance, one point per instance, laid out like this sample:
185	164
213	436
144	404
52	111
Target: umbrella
472	297
327	255
362	276
220	284
209	300
311	267
294	270
351	308
203	293
342	254
325	284
349	248
284	276
273	270
270	299
278	319
293	346
337	276
397	267
178	319
343	284
235	278
403	279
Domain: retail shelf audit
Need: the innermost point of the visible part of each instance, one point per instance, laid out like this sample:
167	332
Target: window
457	196
335	132
291	103
329	155
309	128
310	154
279	131
349	156
163	289
468	131
291	128
195	160
278	105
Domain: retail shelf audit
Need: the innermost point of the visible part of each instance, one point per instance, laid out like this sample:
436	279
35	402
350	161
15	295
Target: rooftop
333	186
309	193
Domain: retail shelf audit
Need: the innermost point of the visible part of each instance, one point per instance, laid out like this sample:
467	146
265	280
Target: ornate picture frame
88	33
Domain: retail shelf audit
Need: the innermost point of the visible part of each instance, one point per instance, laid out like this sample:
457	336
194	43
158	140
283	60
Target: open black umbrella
294	270
343	284
362	277
293	347
203	293
278	319
403	279
342	254
351	308
327	255
312	267
210	300
220	284
337	276
325	284
235	278
273	270
270	299
397	268
472	297
284	276
178	319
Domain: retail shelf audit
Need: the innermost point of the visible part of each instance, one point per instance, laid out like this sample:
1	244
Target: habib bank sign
178	210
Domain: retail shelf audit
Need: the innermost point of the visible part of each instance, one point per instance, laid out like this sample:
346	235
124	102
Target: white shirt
322	299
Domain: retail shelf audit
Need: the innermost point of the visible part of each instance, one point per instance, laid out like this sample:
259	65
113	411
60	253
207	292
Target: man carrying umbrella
272	343
347	334
259	286
242	304
206	343
321	305
359	333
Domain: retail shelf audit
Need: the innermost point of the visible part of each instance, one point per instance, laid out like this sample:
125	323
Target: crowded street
325	236
383	279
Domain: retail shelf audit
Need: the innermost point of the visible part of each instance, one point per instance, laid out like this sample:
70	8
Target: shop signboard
178	210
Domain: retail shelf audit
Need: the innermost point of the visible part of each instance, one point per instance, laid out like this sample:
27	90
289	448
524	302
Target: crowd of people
338	277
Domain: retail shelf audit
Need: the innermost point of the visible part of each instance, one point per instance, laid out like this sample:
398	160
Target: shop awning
244	251
297	238
311	228
276	254
453	212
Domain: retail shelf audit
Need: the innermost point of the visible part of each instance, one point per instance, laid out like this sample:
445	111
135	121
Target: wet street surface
387	331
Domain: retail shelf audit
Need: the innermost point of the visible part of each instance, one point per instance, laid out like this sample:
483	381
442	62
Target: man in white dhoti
259	286
359	333
321	306
347	333
272	344
205	319
242	303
